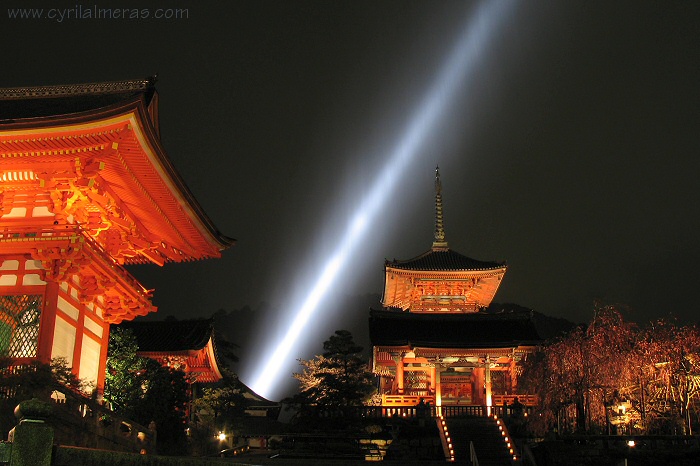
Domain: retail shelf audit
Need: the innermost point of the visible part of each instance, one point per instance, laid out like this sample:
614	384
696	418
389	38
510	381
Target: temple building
186	345
85	189
434	340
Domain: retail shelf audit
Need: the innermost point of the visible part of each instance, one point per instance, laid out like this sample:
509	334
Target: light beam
457	68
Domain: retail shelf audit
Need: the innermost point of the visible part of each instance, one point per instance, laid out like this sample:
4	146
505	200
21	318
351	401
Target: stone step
483	432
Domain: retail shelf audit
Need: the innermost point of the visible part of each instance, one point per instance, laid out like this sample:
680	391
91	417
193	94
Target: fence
377	412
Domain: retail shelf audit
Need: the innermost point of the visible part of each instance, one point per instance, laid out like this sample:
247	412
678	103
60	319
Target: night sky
571	150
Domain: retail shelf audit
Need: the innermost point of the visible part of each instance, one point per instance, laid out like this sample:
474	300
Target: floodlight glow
424	122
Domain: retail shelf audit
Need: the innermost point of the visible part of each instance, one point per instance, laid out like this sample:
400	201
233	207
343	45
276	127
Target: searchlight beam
458	66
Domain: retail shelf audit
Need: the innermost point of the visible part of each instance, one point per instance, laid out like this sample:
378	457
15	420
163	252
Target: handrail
472	454
100	423
445	439
510	442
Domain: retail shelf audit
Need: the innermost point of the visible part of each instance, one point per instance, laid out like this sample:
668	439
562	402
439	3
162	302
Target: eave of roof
107	102
477	330
171	336
444	259
22	103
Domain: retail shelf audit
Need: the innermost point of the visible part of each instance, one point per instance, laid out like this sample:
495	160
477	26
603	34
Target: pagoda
85	189
433	338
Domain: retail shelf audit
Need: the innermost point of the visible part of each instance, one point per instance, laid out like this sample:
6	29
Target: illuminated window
19	325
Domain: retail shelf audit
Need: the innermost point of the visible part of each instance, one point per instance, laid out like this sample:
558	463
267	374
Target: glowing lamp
221	436
630	443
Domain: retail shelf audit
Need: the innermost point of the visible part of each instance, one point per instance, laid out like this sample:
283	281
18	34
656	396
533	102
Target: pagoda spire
439	243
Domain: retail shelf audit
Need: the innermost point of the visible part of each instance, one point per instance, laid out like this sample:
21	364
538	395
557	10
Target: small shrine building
433	339
85	189
186	345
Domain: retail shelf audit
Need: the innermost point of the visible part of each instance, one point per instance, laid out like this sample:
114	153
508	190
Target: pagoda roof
20	103
171	336
443	259
476	330
103	140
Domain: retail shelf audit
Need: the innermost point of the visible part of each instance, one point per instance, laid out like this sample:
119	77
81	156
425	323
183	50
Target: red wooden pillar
399	374
48	322
103	361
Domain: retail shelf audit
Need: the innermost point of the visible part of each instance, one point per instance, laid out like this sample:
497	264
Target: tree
124	376
337	378
141	389
220	404
612	373
577	375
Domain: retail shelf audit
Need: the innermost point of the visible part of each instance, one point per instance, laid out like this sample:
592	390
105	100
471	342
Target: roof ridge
61	90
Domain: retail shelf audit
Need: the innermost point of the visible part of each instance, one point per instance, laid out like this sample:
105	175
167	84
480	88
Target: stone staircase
491	449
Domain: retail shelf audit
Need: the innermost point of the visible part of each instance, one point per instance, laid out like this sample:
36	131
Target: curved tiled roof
165	336
41	101
443	259
146	171
479	330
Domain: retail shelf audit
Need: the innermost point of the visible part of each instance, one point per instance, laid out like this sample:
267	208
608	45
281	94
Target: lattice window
19	325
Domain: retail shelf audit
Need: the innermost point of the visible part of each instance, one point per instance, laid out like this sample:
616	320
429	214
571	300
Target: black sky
572	152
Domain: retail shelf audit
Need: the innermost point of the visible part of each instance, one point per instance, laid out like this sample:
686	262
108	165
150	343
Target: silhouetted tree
143	390
337	378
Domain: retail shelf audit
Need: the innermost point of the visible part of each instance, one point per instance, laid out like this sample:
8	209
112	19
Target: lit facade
86	188
433	339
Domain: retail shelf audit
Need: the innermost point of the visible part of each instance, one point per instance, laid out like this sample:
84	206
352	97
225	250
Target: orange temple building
434	340
85	189
186	345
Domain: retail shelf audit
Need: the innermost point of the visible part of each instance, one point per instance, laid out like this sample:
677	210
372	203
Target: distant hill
345	312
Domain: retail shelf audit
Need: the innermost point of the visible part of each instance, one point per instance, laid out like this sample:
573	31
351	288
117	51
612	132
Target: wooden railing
526	400
406	400
415	411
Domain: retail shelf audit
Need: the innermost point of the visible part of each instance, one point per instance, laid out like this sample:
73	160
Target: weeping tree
577	375
666	387
610	372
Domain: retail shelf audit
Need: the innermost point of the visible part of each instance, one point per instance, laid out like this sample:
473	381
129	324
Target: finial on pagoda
439	242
